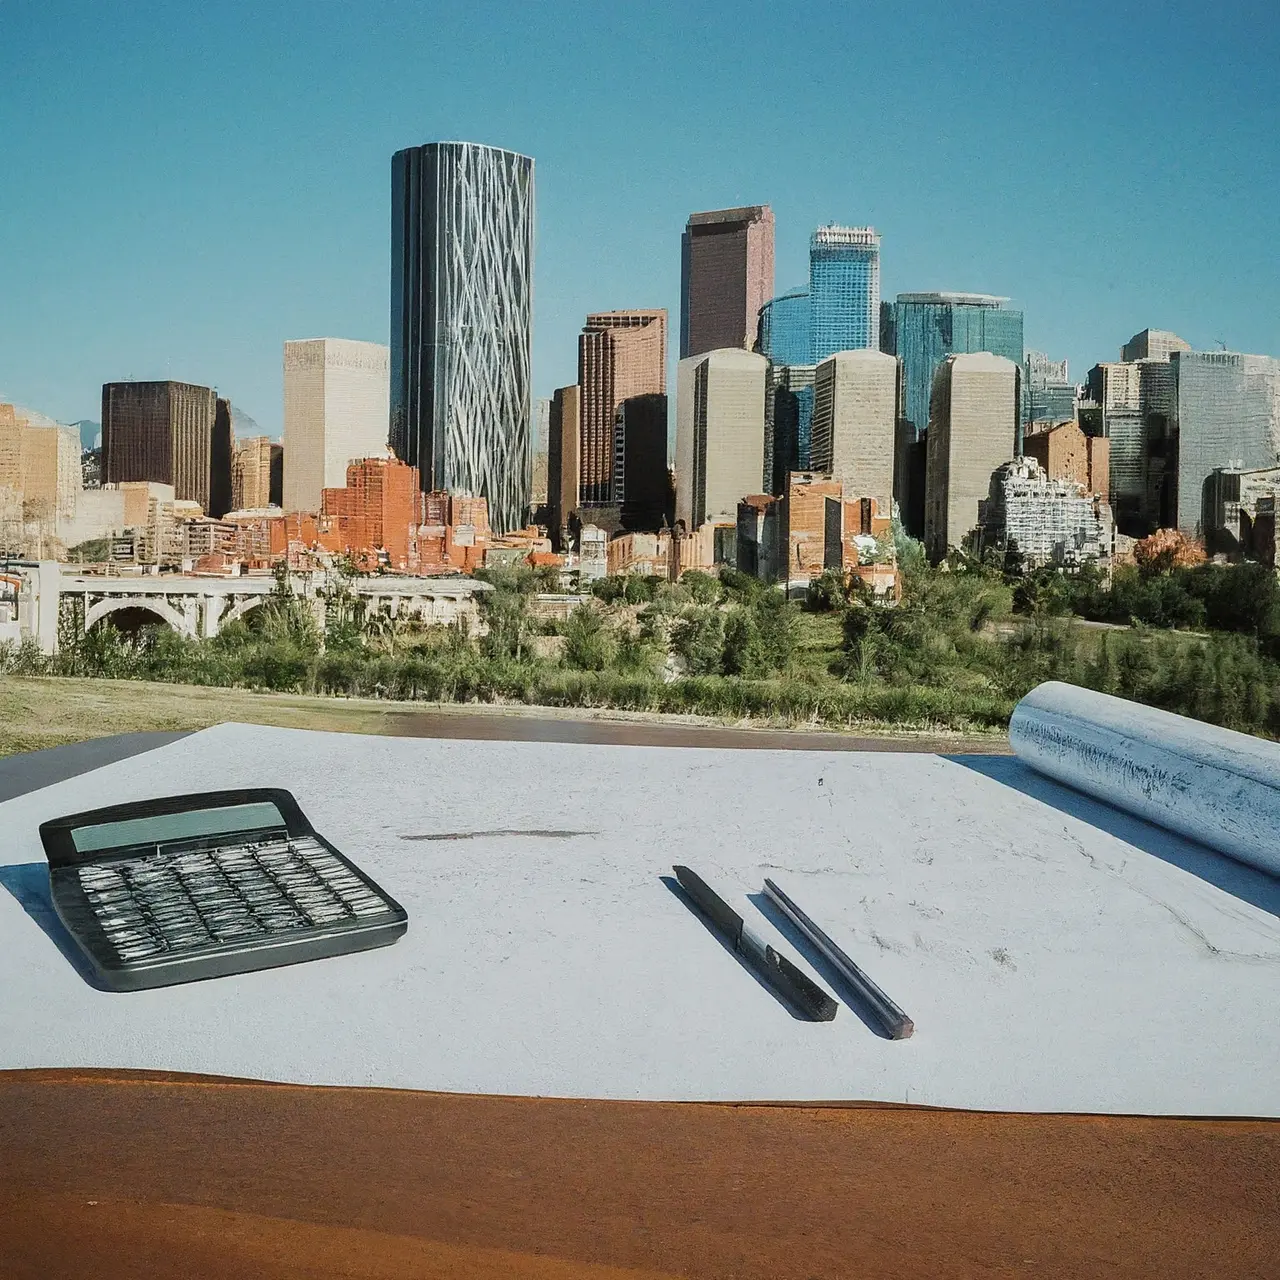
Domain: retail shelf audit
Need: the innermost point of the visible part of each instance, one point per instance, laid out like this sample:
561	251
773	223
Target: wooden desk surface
135	1175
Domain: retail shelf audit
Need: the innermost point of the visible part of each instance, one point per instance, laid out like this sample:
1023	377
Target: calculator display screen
190	824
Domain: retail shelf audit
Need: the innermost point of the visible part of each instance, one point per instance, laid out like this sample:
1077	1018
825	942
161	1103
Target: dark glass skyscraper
928	327
461	321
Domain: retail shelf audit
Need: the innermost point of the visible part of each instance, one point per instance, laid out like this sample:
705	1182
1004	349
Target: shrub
697	638
827	592
587	646
704	588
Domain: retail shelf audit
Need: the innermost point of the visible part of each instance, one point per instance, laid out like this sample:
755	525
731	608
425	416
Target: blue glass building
844	291
785	341
928	327
784	329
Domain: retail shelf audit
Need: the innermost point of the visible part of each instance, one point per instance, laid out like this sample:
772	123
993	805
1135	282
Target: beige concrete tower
724	434
973	424
336	405
51	470
1153	344
855	409
251	461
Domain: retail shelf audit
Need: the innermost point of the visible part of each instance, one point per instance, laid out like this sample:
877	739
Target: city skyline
206	290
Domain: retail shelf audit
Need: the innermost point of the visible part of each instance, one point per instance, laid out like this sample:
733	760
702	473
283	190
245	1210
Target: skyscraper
719	434
855	410
252	462
1136	402
788	423
785	329
928	327
621	355
39	464
541	434
221	447
1153	344
844	290
335	412
785	341
168	433
461	321
563	460
726	277
641	481
973	429
1048	395
1227	415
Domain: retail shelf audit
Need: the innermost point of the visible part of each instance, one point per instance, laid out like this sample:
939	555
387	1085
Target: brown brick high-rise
563	461
621	355
726	277
168	433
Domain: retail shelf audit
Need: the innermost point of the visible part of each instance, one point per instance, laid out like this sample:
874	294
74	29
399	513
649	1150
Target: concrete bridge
53	602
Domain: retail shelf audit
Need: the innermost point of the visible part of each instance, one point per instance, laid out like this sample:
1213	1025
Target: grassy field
48	711
818	638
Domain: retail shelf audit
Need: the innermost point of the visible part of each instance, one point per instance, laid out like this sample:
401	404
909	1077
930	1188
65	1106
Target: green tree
634	655
775	621
638	589
740	587
284	615
703	587
506	611
742	653
697	638
609	589
587	646
863	642
827	592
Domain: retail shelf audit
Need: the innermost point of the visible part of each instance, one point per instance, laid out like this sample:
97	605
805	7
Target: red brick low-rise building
380	519
375	516
1064	452
813	527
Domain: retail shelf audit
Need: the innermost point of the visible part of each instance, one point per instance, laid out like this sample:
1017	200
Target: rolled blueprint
1213	785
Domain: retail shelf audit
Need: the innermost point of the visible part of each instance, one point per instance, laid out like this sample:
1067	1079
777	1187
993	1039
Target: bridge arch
161	608
239	609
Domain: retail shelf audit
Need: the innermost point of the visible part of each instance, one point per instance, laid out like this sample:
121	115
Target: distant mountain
244	426
90	433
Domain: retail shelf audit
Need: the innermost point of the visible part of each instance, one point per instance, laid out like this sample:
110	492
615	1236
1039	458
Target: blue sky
186	186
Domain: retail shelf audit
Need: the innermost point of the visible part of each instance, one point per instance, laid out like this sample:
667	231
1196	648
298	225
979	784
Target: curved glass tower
461	321
784	328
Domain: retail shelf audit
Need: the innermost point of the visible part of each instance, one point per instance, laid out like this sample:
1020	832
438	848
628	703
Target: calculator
183	888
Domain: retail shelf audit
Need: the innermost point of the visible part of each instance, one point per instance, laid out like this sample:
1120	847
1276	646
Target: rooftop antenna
1220	343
